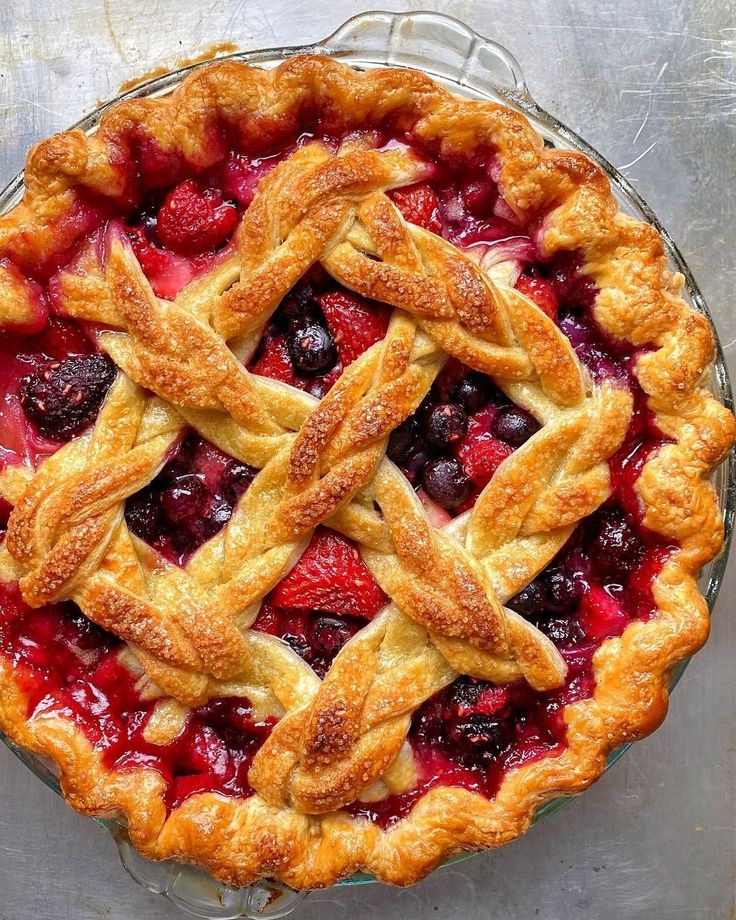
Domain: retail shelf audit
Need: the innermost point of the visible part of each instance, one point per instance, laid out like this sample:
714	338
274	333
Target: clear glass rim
510	88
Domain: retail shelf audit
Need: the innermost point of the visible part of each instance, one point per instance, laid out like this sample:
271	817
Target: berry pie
354	471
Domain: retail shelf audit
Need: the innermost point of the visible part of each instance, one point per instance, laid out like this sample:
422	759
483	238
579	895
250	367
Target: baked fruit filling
55	378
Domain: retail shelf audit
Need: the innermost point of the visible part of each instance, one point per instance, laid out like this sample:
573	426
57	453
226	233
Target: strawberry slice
241	175
541	292
600	615
275	362
330	576
194	219
419	205
355	323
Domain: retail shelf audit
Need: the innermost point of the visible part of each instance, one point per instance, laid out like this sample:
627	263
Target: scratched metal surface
653	87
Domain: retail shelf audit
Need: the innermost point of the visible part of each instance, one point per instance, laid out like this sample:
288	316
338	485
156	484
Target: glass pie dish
471	66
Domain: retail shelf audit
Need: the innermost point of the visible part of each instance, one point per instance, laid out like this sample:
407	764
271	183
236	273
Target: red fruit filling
181	237
460	202
355	323
194	219
69	667
314	635
471	733
190	500
541	291
419	205
463	431
330	575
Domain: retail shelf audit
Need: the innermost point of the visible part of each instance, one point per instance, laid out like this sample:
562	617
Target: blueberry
473	391
65	396
236	478
329	634
87	635
479	739
181	463
183	500
201	527
463	696
445	424
530	601
616	547
142	516
299	304
146	217
514	425
298	641
149	222
232	718
321	385
414	466
311	348
563	589
446	482
404	441
572	287
218	515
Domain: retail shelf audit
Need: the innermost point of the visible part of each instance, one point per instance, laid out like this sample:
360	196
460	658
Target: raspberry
193	219
355	323
481	458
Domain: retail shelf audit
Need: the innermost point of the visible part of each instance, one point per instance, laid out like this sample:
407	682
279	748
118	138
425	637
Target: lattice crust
181	363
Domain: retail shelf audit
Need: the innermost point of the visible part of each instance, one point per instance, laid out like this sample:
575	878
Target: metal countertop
652	86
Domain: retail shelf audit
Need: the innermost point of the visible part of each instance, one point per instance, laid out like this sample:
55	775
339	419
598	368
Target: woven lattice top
182	363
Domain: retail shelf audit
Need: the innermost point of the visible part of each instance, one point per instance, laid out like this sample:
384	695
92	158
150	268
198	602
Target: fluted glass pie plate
473	66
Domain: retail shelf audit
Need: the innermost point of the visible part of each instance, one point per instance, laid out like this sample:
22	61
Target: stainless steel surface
653	88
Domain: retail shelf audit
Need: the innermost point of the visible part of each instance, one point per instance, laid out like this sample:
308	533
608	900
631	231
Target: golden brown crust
338	737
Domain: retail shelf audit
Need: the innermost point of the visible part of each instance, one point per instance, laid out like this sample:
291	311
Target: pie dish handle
435	43
197	893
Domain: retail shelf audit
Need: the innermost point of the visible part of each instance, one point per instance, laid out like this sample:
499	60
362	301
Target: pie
355	455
